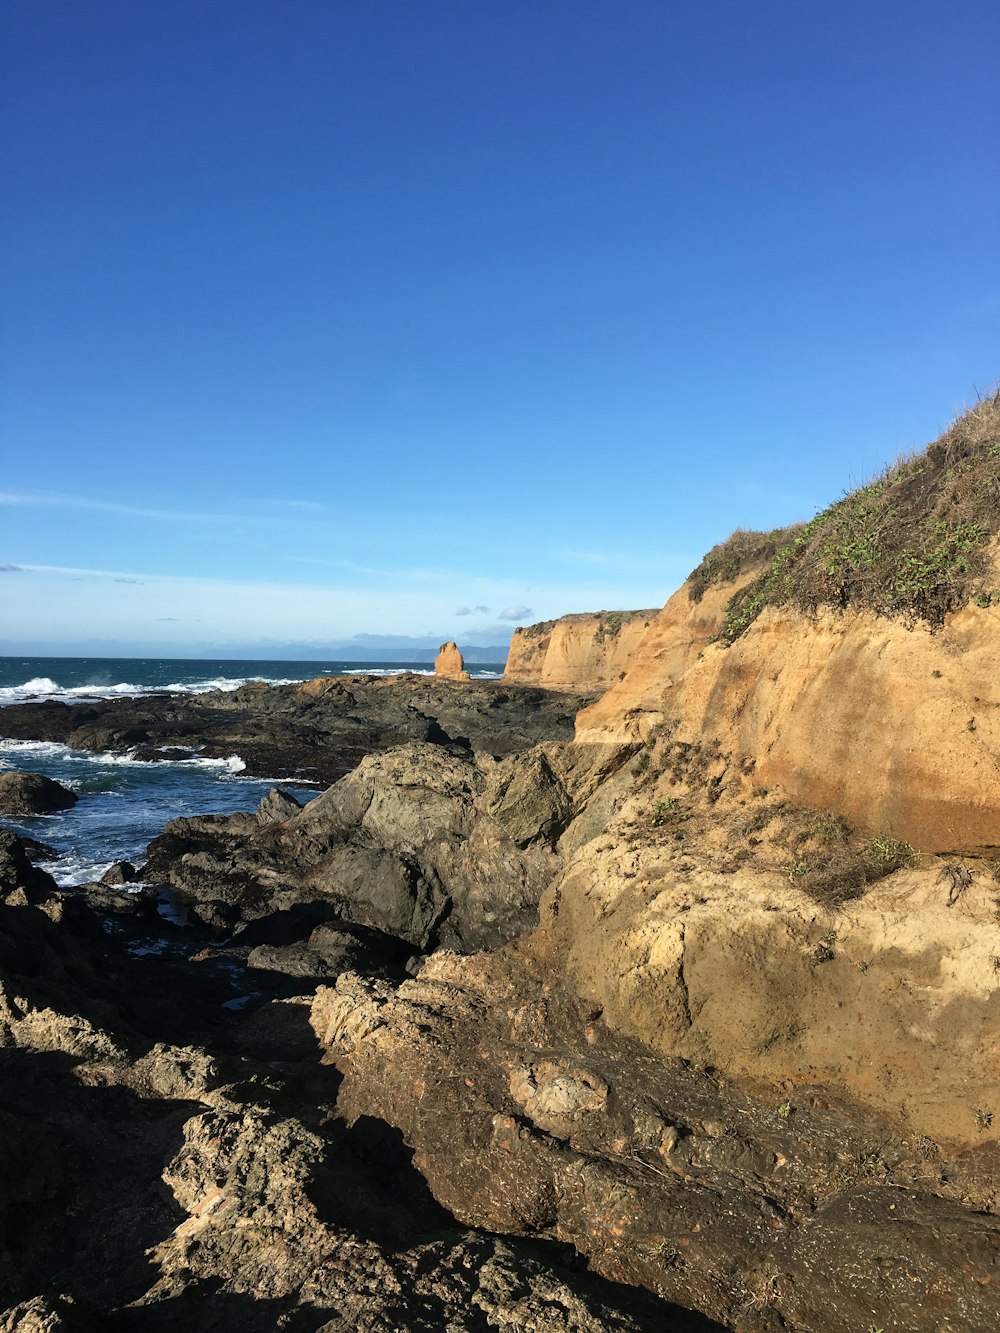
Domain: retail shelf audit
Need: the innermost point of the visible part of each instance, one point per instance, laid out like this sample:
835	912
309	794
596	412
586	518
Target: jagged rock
60	1314
663	1175
400	845
528	800
17	872
36	850
33	794
119	873
449	663
277	806
314	732
122	899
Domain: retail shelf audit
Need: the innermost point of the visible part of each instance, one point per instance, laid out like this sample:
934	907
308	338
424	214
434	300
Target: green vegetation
536	631
742	551
823	952
669	812
911	543
609	623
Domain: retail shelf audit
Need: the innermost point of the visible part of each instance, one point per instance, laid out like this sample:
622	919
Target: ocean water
77	679
125	802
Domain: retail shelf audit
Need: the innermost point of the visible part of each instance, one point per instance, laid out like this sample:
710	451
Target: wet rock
119	873
314	732
121	899
33	794
17	874
37	850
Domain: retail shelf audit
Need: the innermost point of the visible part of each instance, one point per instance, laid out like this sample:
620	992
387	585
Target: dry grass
912	543
743	550
698	798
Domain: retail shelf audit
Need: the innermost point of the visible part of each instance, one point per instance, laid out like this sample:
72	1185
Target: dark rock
33	794
37	850
401	845
277	806
17	872
314	732
116	900
120	872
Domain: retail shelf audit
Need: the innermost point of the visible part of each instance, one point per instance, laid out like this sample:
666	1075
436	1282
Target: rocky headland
660	997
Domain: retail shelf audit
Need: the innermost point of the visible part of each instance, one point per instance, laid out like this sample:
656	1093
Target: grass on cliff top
912	543
608	622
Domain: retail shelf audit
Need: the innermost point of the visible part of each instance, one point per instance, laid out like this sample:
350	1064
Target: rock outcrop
894	726
431	847
176	1165
314	732
585	652
450	664
706	995
33	794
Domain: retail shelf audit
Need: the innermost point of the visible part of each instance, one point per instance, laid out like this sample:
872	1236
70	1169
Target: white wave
43	688
54	750
37	749
70	871
388	671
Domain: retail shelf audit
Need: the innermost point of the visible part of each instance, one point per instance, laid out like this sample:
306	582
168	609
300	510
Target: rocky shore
671	1008
316	731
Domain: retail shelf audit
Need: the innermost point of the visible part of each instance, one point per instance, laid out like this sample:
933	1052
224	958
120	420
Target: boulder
119	873
450	664
33	794
17	872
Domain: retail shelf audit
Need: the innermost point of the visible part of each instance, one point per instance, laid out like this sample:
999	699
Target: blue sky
324	318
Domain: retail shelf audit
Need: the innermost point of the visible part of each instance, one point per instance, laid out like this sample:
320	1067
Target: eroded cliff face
893	725
587	652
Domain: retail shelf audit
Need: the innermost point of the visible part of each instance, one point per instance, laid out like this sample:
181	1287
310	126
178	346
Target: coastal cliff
595	648
705	993
853	660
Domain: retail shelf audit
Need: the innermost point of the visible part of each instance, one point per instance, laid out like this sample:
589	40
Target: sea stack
450	664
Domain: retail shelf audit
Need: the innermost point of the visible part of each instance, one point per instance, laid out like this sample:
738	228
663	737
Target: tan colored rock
449	663
669	647
894	726
890	1001
585	652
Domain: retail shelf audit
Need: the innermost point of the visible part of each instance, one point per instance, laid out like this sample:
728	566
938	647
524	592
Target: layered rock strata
586	652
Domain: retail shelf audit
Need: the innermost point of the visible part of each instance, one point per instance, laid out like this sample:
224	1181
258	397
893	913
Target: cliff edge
588	651
852	660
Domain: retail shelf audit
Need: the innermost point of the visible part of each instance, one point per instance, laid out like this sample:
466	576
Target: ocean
125	802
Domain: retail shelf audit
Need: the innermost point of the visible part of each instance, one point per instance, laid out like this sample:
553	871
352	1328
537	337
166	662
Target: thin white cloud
94	504
55	500
515	612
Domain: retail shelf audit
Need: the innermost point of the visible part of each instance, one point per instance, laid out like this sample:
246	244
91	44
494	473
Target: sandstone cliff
855	660
587	652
